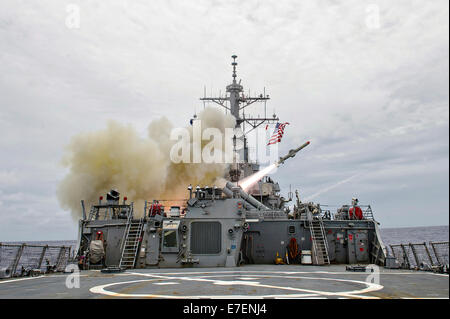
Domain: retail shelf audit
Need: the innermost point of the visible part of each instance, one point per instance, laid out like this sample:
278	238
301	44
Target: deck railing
421	255
20	259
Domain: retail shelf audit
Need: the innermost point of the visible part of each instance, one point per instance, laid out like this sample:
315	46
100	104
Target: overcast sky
370	93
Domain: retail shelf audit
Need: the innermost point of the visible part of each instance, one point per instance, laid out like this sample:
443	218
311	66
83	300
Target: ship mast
235	101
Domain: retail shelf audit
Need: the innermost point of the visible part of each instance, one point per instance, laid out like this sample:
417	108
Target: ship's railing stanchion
440	250
22	259
418	256
41	258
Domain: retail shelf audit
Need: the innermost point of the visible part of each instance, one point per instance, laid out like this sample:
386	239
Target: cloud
369	99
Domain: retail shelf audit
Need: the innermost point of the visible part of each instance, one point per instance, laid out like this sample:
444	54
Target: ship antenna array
235	101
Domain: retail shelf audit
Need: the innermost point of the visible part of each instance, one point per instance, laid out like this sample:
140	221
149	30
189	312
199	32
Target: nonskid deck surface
255	281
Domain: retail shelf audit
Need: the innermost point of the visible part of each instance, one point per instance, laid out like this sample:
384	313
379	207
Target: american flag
277	133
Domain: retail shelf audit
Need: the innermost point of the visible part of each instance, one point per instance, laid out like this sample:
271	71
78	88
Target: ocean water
414	235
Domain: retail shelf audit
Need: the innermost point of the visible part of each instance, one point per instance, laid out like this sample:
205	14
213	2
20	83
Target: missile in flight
291	153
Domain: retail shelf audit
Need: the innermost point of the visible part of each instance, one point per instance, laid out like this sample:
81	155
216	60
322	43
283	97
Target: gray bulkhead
209	235
212	236
348	241
113	232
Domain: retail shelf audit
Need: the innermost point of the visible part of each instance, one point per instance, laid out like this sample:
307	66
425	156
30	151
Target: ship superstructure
229	226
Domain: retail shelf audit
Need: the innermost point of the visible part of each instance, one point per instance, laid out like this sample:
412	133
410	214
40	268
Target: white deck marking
309	293
443	275
424	298
166	283
290	272
37	277
20	279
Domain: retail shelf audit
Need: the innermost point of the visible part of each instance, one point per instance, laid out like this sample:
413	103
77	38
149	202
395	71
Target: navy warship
241	223
240	240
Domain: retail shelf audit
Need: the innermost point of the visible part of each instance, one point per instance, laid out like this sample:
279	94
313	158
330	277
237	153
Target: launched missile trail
252	179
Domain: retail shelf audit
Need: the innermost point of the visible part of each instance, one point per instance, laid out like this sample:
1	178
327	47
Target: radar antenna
235	101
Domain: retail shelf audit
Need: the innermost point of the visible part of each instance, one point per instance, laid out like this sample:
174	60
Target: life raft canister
355	213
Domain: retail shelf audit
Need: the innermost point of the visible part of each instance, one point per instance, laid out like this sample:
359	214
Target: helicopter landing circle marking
300	292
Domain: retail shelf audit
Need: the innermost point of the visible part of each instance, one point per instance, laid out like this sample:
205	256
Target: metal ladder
319	242
93	213
131	243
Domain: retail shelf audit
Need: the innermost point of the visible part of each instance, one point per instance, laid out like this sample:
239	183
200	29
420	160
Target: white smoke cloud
139	168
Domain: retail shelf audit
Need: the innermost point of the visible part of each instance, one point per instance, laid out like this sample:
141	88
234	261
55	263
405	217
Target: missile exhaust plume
249	181
139	168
